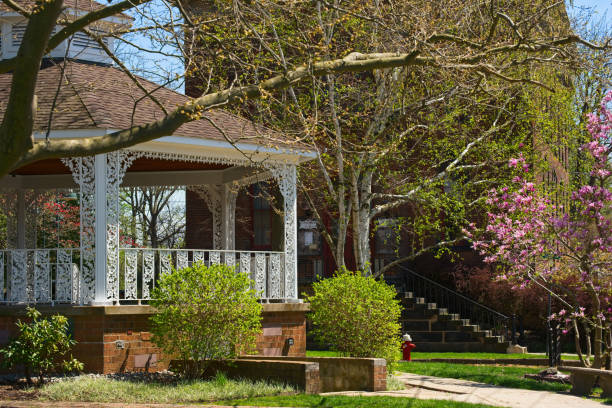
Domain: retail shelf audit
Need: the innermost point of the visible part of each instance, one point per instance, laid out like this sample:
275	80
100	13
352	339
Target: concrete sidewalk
426	387
65	404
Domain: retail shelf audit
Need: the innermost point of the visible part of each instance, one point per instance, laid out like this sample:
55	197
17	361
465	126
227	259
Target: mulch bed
17	392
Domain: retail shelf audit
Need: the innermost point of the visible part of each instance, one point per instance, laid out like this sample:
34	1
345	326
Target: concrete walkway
65	404
426	387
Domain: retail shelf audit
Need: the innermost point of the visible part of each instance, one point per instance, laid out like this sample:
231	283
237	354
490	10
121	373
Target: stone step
482	333
471	328
493	339
450	317
442	325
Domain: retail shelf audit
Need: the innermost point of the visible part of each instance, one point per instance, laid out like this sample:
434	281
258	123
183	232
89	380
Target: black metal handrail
457	303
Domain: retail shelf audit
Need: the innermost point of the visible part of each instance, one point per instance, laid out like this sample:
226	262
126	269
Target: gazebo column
286	177
100	228
99	178
228	210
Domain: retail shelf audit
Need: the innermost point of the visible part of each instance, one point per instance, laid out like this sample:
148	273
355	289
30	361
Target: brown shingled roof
93	96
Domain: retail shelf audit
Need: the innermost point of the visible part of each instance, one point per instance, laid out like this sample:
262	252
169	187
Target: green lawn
480	356
338	401
489	374
101	389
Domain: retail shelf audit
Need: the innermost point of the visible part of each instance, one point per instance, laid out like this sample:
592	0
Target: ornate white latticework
182	260
230	258
63	281
18	277
286	176
215	257
260	274
245	263
214	159
83	173
148	273
199	256
42	276
117	164
131	274
165	262
275	276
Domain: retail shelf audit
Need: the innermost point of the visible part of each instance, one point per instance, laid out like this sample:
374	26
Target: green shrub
205	313
356	315
42	347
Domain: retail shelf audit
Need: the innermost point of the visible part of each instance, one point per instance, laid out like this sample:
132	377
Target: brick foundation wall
280	325
117	338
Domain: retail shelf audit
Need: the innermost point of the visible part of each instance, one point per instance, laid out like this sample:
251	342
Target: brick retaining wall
345	373
303	375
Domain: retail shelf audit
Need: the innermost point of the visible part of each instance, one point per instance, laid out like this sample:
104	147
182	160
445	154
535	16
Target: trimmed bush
205	313
42	347
356	315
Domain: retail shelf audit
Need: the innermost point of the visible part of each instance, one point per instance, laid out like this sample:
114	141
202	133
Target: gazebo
102	286
198	157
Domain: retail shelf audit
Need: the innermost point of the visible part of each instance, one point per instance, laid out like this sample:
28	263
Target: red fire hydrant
407	347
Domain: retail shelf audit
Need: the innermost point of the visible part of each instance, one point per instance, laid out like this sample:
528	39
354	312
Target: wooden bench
583	380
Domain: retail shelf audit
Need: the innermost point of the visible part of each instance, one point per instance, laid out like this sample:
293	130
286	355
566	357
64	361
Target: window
386	236
262	218
309	238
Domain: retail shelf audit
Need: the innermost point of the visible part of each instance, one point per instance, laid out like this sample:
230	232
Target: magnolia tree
564	249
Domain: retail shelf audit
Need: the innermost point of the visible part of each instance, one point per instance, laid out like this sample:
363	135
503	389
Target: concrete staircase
433	328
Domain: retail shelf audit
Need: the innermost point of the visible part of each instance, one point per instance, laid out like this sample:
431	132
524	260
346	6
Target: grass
496	375
101	389
338	401
480	356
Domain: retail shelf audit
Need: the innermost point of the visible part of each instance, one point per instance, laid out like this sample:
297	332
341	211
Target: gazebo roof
81	5
104	97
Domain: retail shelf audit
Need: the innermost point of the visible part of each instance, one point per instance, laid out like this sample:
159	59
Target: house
100	285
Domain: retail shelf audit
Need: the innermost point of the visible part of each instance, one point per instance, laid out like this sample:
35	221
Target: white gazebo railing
31	276
39	275
140	268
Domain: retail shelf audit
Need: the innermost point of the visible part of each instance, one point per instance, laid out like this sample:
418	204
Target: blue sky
601	7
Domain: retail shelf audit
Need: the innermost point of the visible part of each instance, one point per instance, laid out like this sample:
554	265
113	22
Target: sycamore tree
491	48
562	247
395	138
